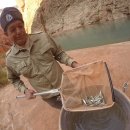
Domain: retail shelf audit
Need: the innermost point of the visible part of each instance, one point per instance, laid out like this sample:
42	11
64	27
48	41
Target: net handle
110	81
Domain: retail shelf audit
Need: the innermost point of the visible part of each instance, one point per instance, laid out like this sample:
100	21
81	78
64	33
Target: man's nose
18	30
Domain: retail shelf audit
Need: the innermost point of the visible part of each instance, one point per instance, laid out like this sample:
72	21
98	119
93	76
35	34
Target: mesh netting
85	81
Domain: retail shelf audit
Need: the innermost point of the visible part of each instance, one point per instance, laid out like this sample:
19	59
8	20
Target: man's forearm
18	85
14	79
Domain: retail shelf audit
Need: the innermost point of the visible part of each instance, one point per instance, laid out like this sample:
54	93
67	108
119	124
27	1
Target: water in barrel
107	119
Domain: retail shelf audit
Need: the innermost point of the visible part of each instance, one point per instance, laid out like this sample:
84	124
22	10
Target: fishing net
87	88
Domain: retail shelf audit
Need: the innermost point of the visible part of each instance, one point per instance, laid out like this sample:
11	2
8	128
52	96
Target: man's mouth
19	38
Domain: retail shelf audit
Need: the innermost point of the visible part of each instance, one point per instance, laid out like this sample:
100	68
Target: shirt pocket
45	47
22	67
45	53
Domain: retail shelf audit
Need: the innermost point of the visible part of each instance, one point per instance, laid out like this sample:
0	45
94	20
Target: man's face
16	32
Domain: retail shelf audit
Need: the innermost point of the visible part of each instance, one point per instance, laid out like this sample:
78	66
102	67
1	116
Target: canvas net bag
86	81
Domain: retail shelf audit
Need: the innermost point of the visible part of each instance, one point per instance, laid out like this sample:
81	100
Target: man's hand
75	64
29	94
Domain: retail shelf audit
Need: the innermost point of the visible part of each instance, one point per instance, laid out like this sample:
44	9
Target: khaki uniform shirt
38	64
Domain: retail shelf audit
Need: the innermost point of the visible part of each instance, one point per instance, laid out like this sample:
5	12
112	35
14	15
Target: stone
58	15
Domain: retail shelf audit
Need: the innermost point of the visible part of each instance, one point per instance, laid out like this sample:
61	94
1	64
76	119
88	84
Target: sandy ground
22	114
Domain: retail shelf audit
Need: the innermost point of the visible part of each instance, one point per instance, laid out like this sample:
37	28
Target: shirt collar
30	41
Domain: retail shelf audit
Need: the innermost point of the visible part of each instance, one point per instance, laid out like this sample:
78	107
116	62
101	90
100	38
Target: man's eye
21	26
12	30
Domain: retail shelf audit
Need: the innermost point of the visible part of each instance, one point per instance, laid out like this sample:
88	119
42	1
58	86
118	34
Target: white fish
97	100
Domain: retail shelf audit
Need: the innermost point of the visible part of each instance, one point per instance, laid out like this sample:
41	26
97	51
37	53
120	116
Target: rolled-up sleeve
59	54
15	80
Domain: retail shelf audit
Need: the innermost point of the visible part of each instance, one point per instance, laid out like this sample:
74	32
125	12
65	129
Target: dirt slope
21	114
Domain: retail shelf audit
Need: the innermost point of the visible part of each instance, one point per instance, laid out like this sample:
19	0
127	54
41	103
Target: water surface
95	35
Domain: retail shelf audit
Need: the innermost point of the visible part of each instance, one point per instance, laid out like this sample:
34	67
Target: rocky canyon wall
61	15
55	16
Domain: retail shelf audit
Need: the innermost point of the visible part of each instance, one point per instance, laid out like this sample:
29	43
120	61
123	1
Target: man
34	56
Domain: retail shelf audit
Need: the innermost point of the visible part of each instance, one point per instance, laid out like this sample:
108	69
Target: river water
95	35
